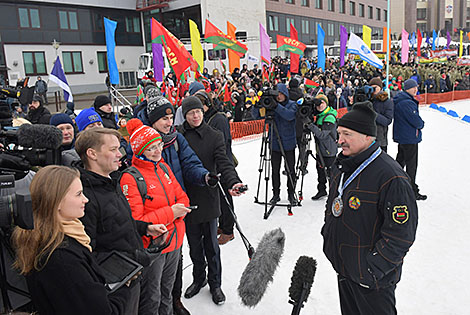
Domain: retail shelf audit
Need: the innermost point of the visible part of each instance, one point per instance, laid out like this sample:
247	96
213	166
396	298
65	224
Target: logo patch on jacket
400	214
125	190
354	203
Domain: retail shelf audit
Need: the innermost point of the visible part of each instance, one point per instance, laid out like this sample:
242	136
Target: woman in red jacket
165	203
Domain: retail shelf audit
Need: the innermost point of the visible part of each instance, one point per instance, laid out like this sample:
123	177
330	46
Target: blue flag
413	39
428	39
434	39
321	47
110	29
58	77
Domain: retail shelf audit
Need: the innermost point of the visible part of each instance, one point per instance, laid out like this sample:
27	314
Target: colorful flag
358	47
140	95
222	66
405	46
110	29
448	40
385	39
461	44
158	63
343	42
196	47
310	83
58	77
434	39
294	58
264	45
288	75
420	40
217	37
366	36
233	58
321	48
290	44
428	39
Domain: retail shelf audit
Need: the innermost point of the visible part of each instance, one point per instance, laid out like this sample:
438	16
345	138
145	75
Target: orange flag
233	58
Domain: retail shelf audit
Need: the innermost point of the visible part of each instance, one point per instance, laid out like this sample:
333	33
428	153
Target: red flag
310	84
222	41
420	39
227	95
294	58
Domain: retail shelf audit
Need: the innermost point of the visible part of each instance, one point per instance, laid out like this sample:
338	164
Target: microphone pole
303	296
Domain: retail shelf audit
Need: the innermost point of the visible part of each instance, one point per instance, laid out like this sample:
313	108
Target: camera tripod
264	166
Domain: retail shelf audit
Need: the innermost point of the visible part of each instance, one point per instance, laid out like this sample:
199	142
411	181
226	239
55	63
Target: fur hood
382	96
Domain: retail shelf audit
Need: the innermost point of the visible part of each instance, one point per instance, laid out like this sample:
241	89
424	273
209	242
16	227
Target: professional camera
15	206
308	106
268	99
363	94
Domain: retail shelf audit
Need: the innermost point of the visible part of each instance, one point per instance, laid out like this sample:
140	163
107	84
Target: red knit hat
141	136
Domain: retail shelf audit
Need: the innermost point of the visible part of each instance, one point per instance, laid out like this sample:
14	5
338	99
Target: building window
72	62
361	10
316	26
385	16
352	8
331	29
421	14
29	18
342	6
305	25
351	29
273	23
34	63
371	12
289	21
378	14
98	24
331	5
102	61
318	4
290	1
68	20
132	25
305	3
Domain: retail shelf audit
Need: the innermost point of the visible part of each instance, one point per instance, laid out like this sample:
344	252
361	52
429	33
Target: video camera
308	107
268	99
362	94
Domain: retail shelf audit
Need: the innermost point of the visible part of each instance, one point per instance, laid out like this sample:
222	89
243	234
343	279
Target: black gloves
212	179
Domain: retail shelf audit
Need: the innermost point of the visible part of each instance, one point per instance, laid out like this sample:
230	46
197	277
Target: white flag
357	46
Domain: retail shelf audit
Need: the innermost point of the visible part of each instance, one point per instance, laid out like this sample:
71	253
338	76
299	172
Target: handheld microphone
39	136
301	282
260	270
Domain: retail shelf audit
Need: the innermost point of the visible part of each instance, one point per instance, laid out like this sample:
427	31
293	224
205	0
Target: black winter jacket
219	121
383	106
108	219
209	146
71	283
109	119
368	241
41	115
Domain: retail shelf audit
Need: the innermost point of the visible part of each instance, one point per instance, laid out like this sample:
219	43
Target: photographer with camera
324	131
282	111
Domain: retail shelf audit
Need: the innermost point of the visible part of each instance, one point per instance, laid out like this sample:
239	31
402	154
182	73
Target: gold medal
337	207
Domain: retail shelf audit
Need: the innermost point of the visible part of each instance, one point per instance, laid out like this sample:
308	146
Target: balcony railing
146	5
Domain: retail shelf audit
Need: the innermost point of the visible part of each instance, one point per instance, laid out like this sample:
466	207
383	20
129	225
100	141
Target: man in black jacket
37	113
103	107
383	106
201	225
370	218
108	220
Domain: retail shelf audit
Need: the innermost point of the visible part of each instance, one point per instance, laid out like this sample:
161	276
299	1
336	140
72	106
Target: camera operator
324	130
383	106
284	118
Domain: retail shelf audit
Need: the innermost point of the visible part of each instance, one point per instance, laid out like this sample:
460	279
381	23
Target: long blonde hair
34	247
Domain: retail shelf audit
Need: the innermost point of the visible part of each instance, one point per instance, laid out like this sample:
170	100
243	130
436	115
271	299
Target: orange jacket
164	191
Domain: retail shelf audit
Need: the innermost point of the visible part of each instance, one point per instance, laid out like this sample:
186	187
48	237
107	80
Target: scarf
169	138
76	230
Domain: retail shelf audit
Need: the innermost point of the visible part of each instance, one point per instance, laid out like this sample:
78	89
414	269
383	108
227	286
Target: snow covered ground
435	273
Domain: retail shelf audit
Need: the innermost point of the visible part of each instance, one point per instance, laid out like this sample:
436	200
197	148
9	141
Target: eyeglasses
155	147
194	112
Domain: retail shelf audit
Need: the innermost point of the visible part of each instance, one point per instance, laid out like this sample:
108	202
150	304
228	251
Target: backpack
140	180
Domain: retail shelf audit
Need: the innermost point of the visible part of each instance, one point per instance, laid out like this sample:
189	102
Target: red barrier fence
429	98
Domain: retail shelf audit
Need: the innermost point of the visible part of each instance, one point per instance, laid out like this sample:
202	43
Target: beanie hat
61	118
158	107
101	100
293	83
37	98
376	81
86	117
322	97
409	84
189	103
194	87
360	118
141	136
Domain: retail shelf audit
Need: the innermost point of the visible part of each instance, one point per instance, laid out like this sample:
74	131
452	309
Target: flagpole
388	48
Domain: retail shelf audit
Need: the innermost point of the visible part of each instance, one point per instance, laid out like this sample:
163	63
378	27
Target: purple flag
158	64
343	42
265	44
405	46
448	39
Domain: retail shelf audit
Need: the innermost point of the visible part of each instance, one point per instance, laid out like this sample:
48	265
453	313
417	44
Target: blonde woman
55	257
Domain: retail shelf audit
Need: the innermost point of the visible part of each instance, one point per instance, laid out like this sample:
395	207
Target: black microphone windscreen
260	270
39	136
303	274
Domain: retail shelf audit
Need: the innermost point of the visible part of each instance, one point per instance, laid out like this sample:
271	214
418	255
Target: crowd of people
164	169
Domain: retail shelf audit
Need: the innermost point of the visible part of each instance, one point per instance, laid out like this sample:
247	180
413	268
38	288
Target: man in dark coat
430	84
407	127
37	113
103	107
370	218
108	220
295	93
383	106
201	224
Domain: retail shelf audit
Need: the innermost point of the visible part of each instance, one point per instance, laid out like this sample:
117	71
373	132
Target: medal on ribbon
337	206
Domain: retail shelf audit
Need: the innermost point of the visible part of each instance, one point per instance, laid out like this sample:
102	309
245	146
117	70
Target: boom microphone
301	282
260	270
39	136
